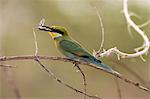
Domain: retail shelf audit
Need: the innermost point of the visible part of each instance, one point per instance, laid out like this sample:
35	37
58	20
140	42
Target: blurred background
18	17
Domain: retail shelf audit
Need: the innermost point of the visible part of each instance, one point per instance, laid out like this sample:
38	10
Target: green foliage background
18	17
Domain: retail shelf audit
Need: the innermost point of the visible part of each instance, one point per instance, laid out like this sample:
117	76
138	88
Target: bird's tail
104	66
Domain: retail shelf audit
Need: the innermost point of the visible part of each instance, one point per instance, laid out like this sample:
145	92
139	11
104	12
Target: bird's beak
49	29
41	26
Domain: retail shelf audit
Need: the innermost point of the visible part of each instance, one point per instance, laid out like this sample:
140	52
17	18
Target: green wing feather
74	48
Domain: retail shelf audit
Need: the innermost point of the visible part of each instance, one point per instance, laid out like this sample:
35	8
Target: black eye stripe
58	31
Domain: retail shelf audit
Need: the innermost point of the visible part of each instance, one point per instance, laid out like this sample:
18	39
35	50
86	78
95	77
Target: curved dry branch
141	51
51	74
83	76
102	28
32	57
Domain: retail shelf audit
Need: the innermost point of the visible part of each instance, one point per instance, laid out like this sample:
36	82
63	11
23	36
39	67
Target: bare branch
102	28
134	14
118	87
35	43
32	57
11	80
10	66
145	24
51	74
129	30
141	80
145	46
84	77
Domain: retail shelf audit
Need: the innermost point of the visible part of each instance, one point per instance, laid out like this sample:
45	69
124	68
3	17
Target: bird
71	48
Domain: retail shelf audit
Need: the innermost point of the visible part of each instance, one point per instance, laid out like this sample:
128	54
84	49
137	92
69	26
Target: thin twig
32	57
35	43
145	46
10	66
11	80
102	43
129	30
134	14
51	74
141	80
145	24
118	87
84	77
102	28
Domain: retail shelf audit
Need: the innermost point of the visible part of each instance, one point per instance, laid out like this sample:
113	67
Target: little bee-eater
70	48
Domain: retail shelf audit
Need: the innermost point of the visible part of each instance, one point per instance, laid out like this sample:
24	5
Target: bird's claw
75	63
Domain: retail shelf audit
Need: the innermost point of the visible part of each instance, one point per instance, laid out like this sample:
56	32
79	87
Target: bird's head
54	31
57	32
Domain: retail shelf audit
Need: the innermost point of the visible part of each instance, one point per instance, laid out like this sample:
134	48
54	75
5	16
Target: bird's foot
76	66
75	63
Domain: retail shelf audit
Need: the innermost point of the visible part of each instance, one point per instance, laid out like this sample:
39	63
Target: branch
145	24
141	80
35	43
11	79
9	66
83	76
102	28
32	57
101	46
51	74
143	49
118	87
